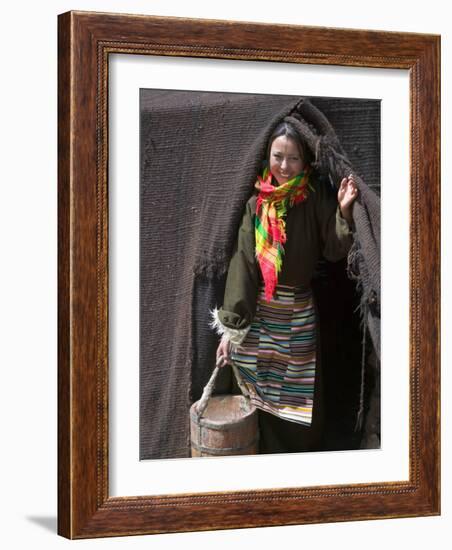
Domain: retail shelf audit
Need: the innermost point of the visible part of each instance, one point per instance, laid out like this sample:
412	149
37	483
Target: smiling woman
268	321
286	158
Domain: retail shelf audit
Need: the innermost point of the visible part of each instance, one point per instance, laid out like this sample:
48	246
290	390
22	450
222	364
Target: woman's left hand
346	195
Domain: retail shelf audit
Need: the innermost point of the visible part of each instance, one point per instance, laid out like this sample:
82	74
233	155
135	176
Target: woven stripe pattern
277	359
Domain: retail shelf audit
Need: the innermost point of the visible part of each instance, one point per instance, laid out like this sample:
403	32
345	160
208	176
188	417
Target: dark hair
288	130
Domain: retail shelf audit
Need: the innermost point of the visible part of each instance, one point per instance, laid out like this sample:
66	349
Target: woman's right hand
223	352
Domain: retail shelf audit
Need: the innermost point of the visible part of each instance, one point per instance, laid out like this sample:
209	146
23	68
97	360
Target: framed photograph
169	129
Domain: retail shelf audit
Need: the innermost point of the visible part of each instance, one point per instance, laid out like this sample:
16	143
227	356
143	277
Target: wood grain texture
226	427
85	42
64	295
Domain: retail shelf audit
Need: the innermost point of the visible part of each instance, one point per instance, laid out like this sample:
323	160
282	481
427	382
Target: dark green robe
313	228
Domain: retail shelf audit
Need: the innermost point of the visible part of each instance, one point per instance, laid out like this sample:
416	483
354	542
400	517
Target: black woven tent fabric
200	153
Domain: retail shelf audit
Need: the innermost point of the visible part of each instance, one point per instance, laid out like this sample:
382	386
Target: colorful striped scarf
270	224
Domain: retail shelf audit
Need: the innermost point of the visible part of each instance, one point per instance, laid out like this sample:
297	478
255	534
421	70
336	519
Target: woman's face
285	159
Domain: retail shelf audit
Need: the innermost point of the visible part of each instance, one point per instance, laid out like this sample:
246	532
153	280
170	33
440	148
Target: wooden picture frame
85	42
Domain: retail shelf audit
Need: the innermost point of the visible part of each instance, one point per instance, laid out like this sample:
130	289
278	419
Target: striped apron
277	359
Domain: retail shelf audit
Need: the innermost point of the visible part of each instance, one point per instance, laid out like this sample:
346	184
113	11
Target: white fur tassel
234	335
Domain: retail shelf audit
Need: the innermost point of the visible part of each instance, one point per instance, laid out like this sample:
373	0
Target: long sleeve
336	233
234	318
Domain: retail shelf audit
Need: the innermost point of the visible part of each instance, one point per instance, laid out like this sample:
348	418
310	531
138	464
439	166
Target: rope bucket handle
208	389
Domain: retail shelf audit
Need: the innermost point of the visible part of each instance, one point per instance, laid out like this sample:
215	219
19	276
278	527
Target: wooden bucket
223	425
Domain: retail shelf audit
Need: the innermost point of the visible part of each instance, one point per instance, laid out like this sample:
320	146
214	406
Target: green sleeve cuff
229	325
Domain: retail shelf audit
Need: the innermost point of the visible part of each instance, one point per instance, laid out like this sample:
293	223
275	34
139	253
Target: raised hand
346	195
